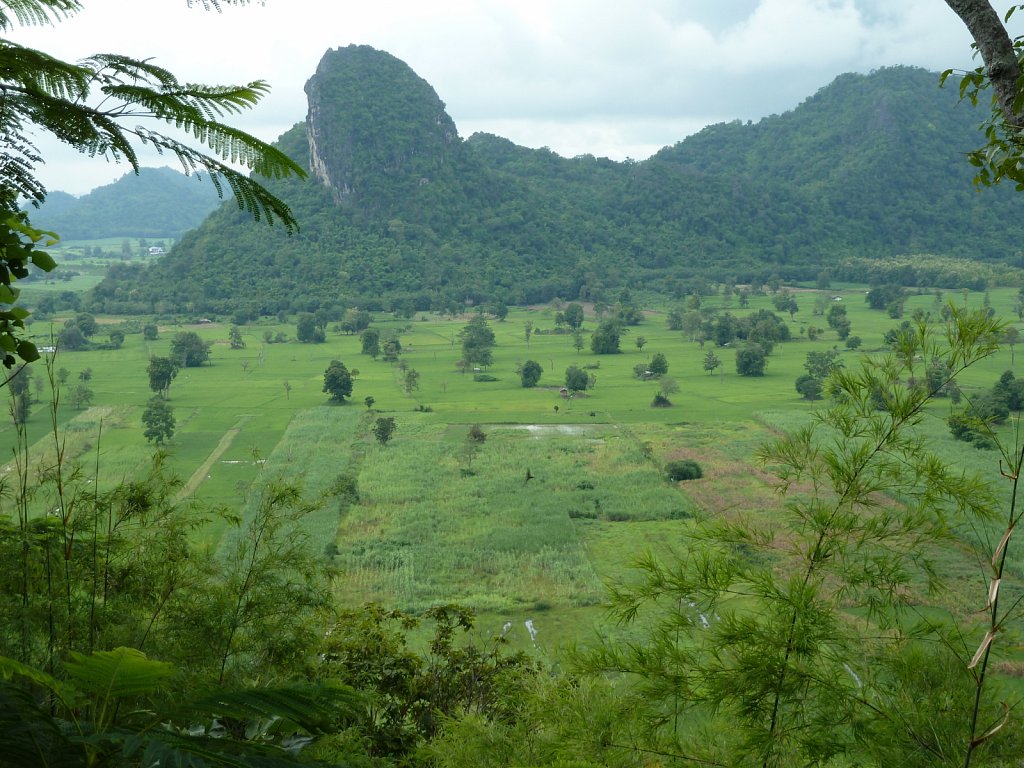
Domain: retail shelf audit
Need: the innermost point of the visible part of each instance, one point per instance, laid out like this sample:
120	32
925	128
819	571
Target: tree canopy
337	381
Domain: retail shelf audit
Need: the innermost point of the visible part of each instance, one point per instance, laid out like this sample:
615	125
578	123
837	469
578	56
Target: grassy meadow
440	519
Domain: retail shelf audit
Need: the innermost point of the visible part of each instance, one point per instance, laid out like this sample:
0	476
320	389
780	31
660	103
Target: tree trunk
997	52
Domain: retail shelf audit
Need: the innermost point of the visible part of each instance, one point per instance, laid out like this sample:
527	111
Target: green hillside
399	213
159	202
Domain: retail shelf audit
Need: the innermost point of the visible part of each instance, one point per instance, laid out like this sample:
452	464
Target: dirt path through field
204	469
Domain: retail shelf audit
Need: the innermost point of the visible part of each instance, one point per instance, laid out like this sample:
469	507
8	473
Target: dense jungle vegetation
861	179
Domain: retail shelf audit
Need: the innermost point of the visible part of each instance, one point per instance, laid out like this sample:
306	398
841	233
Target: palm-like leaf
86	105
117	673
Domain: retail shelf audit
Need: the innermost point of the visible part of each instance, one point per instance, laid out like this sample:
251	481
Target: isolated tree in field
190	349
576	379
685	469
476	435
528	332
711	361
821	364
410	381
751	360
658	365
308	330
392	348
384	429
674	319
640	341
605	338
85	375
809	387
477	341
161	372
81	396
573	315
577	340
337	381
355	320
1011	337
369	339
235	340
784	301
530	373
837	319
150	331
158	418
71	337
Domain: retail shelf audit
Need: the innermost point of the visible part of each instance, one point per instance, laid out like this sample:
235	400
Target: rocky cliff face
372	121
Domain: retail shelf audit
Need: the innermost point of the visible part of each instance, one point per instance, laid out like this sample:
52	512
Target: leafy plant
752	619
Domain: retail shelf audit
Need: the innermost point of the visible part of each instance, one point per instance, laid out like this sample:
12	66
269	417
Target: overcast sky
603	77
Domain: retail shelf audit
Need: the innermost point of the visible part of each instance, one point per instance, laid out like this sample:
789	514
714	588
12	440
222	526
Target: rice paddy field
529	525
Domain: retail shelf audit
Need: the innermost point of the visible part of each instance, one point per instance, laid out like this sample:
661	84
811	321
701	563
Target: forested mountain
400	212
159	202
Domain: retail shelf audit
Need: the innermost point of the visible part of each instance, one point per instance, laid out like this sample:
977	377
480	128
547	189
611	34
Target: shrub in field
476	435
660	401
190	349
686	469
530	373
345	488
576	380
658	365
383	429
750	360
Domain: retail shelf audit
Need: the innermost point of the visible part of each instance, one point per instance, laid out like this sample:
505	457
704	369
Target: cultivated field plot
559	499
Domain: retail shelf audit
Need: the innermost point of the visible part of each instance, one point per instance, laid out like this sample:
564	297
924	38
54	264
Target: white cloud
579	76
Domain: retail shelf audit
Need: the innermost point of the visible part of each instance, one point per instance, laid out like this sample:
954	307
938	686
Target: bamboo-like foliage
798	631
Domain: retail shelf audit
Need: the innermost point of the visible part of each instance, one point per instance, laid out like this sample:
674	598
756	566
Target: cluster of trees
974	423
819	366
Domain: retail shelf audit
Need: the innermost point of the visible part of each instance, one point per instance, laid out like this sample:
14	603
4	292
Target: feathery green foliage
793	629
92	106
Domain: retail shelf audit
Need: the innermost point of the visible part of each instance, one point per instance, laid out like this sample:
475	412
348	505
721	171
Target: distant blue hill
159	202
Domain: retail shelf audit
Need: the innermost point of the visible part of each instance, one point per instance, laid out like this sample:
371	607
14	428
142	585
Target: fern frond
163	748
27	69
11	669
227	99
117	673
28	13
29	735
249	194
113	67
312	708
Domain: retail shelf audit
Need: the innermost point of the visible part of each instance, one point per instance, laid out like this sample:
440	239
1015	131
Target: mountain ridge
157	202
401	213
